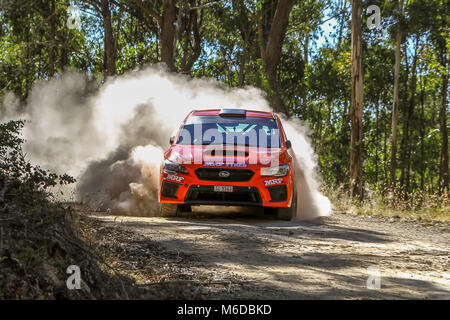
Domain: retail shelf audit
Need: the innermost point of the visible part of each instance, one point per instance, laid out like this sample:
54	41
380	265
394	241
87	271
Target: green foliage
313	75
22	183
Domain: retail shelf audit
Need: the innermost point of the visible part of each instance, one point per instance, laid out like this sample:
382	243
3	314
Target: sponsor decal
174	178
224	164
273	182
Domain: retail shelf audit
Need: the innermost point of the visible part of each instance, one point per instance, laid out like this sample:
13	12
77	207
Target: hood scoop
225	153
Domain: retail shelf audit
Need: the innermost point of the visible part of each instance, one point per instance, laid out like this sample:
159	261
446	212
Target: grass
417	206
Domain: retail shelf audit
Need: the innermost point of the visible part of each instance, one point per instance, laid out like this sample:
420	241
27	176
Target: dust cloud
112	137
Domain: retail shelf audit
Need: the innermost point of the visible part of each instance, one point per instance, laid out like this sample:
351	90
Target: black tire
184	208
269	211
260	212
289	212
169	210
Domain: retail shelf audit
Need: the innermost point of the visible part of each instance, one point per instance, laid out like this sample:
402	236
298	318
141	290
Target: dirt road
227	255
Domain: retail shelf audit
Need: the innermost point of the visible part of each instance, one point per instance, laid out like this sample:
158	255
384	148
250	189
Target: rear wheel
289	212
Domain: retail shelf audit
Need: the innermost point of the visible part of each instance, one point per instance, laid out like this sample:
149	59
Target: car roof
249	113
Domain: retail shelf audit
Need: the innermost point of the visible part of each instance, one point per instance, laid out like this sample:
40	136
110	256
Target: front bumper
257	191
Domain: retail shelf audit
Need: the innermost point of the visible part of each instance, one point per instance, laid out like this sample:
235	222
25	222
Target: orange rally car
229	157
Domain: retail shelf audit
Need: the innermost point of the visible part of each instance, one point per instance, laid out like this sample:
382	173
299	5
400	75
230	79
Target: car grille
235	175
198	194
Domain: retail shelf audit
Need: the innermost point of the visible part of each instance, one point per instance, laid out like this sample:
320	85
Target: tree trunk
52	54
306	50
242	62
271	52
342	22
443	129
409	117
168	33
64	59
385	148
110	54
377	136
395	101
189	59
306	62
356	103
403	106
422	130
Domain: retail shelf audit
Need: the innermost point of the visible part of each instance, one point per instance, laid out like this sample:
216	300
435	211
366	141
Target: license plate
223	188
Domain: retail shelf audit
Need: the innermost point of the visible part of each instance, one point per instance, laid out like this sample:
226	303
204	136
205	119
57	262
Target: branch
132	11
95	5
277	33
209	4
197	48
149	11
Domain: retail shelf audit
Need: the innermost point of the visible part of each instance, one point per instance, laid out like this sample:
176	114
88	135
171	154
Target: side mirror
172	139
288	144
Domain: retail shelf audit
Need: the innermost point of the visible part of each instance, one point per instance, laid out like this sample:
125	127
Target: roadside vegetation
419	206
298	52
39	237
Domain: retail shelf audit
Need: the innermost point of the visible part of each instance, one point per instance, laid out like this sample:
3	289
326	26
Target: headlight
174	167
279	171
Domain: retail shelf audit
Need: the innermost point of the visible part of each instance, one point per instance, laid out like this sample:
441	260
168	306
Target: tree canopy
299	52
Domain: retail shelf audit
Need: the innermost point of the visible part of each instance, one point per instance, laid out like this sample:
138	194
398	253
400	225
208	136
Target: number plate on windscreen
223	188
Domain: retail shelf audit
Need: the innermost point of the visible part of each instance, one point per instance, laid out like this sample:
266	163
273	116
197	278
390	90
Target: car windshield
243	131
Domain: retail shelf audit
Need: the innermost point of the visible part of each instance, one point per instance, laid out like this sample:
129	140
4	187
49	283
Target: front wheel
173	209
289	212
169	209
